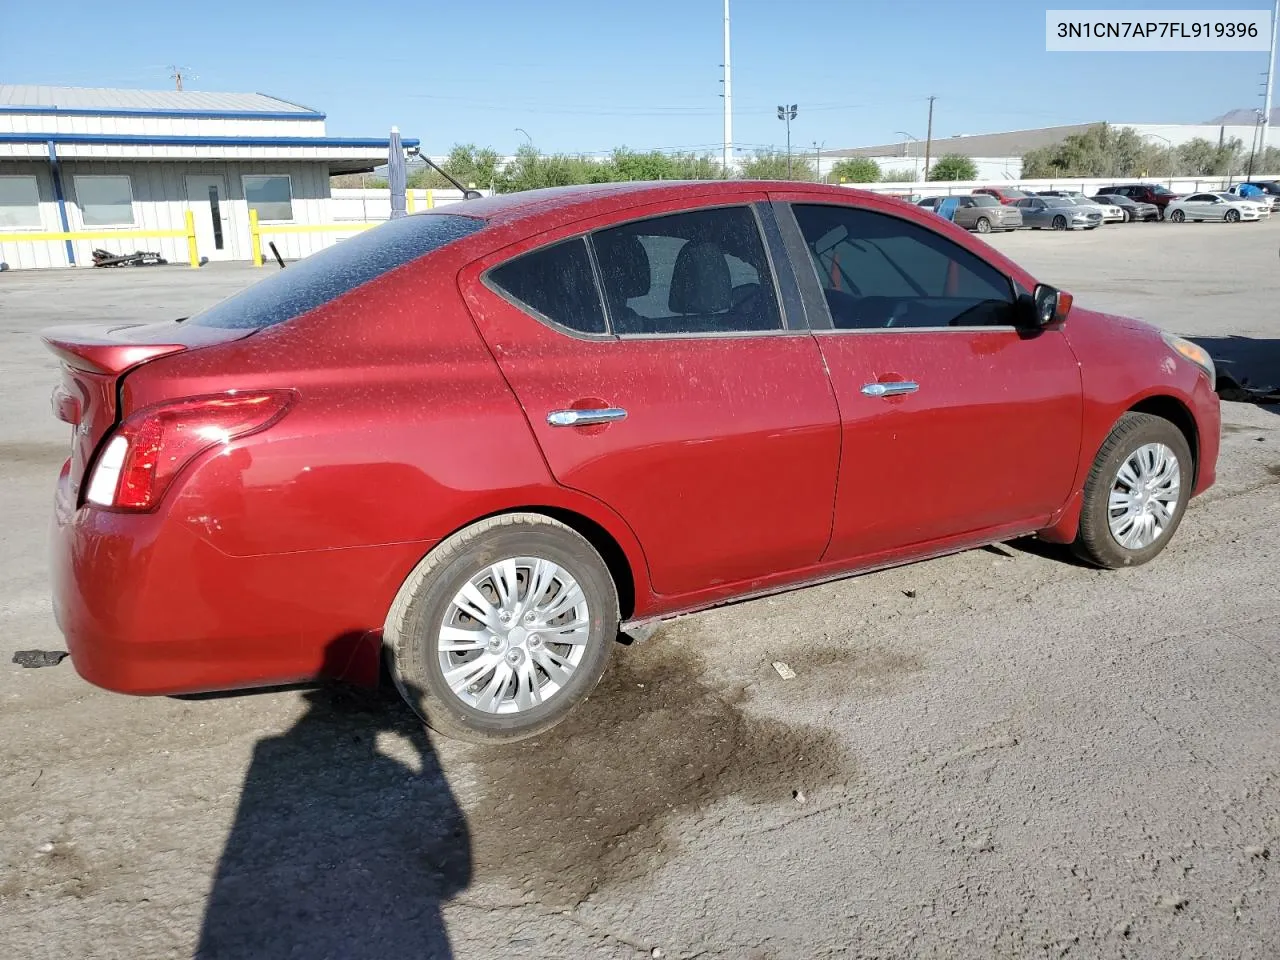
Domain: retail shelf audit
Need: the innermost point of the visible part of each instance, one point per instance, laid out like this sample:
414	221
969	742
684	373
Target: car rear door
954	421
662	374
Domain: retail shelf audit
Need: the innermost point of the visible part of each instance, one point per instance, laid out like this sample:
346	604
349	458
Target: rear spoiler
94	349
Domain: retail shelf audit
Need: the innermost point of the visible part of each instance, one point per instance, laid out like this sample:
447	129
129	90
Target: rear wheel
1136	492
1059	223
983	225
503	629
1177	216
1232	216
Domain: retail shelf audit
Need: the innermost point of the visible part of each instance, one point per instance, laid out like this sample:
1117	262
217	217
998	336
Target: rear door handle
892	388
584	418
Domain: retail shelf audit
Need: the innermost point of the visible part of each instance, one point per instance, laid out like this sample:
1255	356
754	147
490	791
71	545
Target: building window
271	196
19	202
105	201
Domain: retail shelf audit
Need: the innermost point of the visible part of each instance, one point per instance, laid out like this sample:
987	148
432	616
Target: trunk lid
96	358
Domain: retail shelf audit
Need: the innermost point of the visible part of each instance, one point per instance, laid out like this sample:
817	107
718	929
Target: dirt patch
589	804
1274	469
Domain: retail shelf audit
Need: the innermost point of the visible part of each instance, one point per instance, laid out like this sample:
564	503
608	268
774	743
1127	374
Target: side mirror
1048	306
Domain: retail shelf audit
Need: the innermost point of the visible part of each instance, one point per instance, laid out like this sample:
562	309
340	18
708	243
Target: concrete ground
996	754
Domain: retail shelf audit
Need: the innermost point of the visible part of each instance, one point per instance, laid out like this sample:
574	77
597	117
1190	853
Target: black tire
412	627
983	225
1178	216
1094	542
1231	216
1059	222
1124	216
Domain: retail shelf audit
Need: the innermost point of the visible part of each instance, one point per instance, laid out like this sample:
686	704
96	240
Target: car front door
955	422
661	375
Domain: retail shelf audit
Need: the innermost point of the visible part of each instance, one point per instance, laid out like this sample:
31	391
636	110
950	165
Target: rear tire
513	680
1118	491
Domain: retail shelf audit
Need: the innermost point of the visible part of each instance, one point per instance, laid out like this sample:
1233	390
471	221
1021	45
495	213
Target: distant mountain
1244	117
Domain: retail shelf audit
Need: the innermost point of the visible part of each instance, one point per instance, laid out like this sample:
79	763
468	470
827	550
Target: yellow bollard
408	201
193	252
255	237
431	199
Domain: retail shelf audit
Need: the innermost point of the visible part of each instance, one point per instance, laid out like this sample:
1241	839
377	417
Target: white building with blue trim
76	160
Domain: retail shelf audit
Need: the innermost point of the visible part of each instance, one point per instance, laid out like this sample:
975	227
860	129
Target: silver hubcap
1144	496
514	635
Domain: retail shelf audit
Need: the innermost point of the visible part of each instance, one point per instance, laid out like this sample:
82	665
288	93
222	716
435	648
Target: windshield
982	200
336	270
1162	191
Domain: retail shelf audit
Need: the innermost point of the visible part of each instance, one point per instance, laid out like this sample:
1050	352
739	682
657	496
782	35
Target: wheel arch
1170	408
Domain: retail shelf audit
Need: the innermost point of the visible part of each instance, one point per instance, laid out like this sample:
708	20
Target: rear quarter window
339	269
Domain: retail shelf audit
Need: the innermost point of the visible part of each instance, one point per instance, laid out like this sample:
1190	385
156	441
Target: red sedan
486	439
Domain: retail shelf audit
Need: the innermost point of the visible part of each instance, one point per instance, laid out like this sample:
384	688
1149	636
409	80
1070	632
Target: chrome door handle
893	388
584	418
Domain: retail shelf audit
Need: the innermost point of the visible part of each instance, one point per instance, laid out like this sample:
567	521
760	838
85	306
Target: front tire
503	629
983	225
1059	223
1232	216
1136	492
1178	216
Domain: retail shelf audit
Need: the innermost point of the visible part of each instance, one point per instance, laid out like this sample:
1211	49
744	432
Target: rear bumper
148	607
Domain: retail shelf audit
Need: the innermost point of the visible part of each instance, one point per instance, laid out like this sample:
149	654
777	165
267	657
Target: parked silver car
1215	206
979	212
1058	213
1133	209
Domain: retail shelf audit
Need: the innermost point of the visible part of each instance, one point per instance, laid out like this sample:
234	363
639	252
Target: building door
207	197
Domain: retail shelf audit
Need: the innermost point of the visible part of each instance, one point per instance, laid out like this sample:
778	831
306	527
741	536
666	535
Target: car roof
510	207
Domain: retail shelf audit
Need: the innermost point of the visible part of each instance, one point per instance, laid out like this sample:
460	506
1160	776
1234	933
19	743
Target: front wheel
1177	216
1059	223
1232	216
1136	492
983	225
503	629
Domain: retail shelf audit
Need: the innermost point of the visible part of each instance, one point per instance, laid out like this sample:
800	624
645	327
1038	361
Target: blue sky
586	76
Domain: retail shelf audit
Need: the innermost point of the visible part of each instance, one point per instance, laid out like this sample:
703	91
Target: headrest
700	281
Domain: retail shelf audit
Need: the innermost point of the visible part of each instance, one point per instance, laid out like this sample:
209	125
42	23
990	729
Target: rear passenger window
881	271
704	271
555	282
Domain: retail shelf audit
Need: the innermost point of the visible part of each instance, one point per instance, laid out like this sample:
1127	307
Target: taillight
151	447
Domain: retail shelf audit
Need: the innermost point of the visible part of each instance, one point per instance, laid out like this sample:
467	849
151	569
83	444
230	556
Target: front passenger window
882	271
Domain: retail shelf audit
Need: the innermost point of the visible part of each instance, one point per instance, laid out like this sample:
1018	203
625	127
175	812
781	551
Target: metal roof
108	100
1012	144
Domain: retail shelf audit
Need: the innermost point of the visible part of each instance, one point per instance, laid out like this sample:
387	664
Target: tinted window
880	271
985	201
336	270
699	272
1202	198
556	282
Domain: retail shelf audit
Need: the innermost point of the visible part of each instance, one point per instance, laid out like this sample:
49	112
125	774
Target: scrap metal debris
39	658
139	258
784	671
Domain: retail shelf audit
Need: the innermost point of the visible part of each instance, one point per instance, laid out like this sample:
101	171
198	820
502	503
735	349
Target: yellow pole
193	252
431	199
408	200
255	237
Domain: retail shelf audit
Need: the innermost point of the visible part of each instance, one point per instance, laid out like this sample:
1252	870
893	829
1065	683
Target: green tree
772	165
900	175
855	170
1203	158
953	166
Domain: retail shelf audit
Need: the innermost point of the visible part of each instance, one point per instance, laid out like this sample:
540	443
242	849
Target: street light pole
788	113
915	153
529	139
817	158
928	143
728	97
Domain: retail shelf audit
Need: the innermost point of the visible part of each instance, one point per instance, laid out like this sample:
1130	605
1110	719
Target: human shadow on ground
1248	368
339	850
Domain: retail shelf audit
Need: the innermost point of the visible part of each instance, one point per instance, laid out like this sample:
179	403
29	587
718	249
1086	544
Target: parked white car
1214	206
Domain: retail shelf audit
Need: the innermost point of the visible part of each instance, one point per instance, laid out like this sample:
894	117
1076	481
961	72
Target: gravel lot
996	754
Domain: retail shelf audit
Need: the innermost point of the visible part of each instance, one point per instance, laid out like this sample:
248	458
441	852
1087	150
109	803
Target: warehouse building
132	162
998	156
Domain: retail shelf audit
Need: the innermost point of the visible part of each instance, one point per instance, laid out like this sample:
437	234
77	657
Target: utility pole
817	159
928	140
788	113
1271	77
728	97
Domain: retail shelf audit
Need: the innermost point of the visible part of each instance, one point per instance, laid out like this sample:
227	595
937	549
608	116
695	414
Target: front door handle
892	388
584	418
